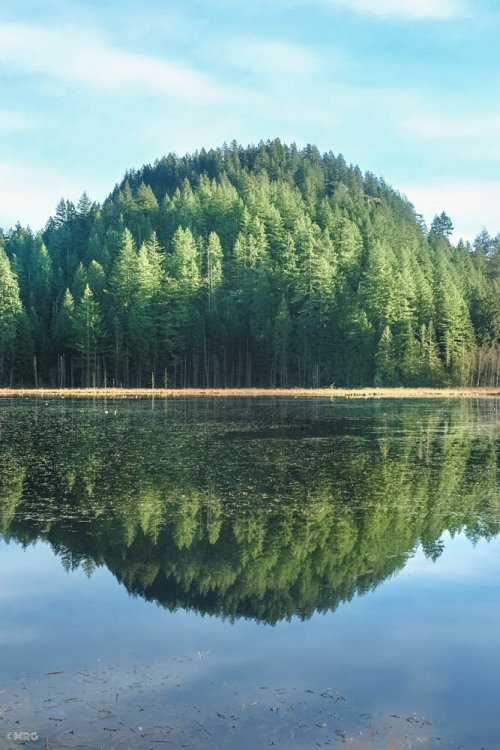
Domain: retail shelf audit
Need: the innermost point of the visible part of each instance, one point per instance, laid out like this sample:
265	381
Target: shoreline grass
362	393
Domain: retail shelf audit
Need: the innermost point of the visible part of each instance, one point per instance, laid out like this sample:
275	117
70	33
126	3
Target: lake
250	572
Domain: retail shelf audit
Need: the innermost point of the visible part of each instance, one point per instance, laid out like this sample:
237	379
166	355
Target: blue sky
405	88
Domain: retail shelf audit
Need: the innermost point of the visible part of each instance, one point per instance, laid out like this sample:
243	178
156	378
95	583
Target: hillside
259	266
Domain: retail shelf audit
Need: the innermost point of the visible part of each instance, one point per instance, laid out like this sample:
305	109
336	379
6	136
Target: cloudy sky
405	88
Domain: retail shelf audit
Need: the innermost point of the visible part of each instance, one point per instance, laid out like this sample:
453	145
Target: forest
266	266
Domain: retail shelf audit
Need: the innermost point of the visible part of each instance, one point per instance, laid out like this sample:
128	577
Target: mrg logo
21	736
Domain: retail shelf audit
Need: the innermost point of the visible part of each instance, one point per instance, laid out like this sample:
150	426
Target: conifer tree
214	258
282	339
10	310
88	332
386	360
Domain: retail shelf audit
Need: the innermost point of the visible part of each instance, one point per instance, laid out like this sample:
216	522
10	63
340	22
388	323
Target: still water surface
247	572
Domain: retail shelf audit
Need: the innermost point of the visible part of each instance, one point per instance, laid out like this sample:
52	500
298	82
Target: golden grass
480	392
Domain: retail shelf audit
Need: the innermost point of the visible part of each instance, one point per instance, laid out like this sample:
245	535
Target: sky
407	89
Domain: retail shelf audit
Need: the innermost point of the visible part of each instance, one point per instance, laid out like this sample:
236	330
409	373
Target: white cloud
83	56
445	127
410	9
274	57
12	123
30	194
471	205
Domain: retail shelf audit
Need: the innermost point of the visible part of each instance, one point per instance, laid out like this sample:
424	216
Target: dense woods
239	510
265	266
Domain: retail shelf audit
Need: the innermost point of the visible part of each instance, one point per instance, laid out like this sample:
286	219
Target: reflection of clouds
460	562
18	636
25	573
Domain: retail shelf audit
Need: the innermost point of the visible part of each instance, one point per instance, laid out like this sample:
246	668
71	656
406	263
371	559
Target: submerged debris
224	717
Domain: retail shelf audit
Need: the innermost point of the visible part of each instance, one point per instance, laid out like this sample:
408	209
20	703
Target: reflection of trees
226	511
11	488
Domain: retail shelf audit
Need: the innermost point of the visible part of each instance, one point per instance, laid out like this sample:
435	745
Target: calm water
241	573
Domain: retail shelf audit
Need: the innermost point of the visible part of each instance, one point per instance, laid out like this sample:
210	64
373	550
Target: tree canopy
266	266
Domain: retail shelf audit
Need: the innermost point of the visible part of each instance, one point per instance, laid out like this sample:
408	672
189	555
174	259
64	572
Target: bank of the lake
363	393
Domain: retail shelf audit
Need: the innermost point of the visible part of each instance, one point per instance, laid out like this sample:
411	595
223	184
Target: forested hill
265	265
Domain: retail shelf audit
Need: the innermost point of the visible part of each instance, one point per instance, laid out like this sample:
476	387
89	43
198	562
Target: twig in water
204	727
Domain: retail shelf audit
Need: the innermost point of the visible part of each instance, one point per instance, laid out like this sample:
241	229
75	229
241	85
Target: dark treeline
265	265
258	510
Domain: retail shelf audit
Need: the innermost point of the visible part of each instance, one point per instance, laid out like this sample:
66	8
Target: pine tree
379	286
96	280
64	336
124	278
63	327
88	332
214	258
282	340
432	372
184	261
124	288
10	310
24	350
386	360
145	199
411	361
79	282
442	225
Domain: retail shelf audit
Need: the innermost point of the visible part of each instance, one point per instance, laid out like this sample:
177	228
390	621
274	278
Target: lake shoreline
359	393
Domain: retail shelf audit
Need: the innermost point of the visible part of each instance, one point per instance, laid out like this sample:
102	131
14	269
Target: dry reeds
364	393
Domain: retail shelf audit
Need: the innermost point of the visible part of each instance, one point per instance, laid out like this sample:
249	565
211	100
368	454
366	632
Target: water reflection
258	509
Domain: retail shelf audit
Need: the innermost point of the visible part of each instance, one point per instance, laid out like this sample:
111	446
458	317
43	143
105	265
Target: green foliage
191	259
10	311
87	331
214	259
63	329
442	225
385	359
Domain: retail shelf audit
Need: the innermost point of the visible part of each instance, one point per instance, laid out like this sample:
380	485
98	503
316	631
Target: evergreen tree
386	360
64	337
282	339
88	332
442	225
214	260
10	310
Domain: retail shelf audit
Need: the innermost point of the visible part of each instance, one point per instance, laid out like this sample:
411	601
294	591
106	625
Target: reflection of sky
427	640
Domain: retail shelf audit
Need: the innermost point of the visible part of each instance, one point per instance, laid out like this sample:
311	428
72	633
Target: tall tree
10	311
88	332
